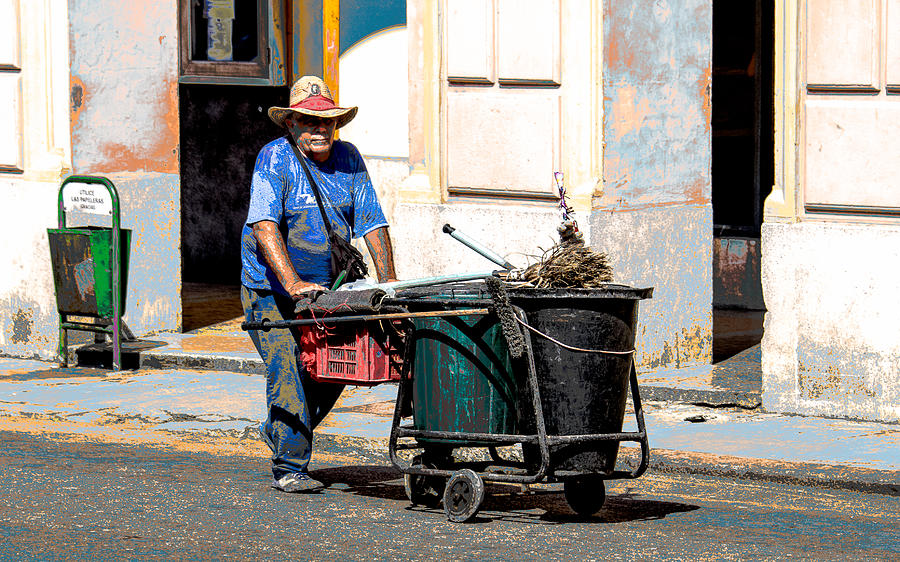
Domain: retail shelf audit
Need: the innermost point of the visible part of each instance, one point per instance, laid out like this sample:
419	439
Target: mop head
569	265
503	308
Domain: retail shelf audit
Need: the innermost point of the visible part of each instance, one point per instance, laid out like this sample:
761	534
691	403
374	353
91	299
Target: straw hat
310	96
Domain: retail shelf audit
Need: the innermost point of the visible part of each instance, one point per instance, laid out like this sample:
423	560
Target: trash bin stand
109	318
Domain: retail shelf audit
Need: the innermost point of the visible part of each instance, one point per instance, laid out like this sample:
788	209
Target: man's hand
299	288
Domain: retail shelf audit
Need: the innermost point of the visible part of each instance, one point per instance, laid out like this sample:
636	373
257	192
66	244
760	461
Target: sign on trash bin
87	198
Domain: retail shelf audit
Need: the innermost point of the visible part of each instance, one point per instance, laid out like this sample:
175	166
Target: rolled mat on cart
361	301
581	392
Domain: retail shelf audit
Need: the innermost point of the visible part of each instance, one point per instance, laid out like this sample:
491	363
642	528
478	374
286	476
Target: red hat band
315	103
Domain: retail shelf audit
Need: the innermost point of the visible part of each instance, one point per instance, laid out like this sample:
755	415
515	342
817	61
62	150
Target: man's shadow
502	502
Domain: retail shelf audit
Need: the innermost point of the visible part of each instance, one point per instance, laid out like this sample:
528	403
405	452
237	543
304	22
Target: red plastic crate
365	357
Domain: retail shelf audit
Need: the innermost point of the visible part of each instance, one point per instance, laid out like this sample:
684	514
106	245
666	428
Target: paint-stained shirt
280	192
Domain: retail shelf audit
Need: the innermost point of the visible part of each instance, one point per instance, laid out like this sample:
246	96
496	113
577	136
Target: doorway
742	167
223	127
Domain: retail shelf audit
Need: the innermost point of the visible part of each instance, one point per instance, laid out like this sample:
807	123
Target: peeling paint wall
124	68
669	249
654	216
124	92
28	320
831	344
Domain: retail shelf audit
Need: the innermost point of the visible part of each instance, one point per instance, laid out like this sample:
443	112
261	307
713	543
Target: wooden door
850	103
502	88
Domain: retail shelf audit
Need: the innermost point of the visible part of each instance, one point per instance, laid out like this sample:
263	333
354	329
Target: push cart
488	367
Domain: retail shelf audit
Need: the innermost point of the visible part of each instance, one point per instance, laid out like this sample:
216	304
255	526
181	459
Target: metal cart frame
465	489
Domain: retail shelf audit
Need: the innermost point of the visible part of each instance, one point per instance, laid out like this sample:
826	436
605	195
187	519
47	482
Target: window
225	41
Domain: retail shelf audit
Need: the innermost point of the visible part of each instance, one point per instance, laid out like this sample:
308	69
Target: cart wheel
585	494
422	490
463	496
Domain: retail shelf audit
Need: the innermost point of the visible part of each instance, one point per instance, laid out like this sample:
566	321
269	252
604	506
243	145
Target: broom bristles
569	266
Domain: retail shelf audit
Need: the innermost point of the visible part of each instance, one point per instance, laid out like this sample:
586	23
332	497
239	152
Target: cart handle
266	324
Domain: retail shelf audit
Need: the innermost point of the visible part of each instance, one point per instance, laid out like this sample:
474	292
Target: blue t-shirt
280	193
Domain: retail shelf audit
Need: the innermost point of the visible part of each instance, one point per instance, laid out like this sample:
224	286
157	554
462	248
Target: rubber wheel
463	496
423	490
585	494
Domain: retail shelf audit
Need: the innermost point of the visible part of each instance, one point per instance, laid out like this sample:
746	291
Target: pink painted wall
124	118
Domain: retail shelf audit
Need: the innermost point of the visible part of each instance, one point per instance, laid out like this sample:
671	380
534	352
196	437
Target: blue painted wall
654	216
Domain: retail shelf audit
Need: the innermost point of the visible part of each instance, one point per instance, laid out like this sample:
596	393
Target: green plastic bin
82	272
462	376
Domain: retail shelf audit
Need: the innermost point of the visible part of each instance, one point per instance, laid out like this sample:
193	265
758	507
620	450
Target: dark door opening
222	130
742	166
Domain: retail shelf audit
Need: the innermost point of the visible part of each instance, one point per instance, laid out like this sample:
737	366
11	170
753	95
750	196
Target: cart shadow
501	502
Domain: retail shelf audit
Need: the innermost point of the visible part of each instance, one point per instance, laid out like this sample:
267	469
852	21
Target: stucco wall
669	249
655	214
832	340
40	133
518	231
28	323
124	93
515	232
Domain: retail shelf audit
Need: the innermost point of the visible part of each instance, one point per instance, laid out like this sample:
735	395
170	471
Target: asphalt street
65	499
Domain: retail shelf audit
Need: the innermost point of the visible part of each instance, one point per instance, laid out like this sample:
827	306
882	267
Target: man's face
314	135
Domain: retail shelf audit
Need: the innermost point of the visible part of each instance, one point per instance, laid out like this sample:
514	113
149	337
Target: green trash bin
90	264
463	379
82	275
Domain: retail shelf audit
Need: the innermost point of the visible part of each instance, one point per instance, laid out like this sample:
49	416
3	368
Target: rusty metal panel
306	39
736	273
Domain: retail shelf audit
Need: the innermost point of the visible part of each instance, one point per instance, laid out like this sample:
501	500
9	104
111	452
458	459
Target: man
285	253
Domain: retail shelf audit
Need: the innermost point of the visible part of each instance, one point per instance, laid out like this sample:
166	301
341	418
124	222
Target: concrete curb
854	479
159	358
711	398
202	363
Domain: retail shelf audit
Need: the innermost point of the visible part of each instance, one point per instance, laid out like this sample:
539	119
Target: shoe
294	483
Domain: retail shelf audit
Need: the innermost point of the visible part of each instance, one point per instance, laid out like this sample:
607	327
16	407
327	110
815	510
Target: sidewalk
206	389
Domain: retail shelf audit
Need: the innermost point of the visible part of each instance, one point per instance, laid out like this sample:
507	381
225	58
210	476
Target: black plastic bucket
581	392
